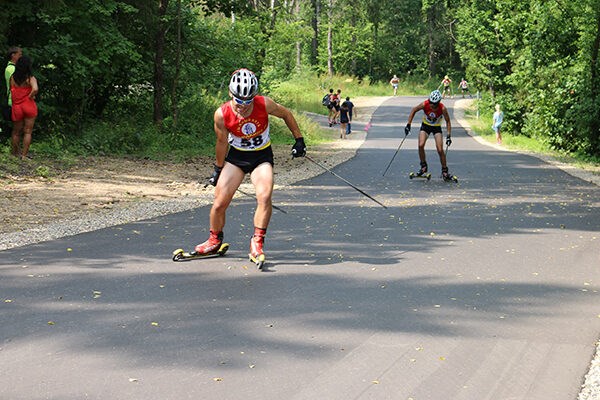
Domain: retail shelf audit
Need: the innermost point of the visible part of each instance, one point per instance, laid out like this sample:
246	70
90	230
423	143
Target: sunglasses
243	102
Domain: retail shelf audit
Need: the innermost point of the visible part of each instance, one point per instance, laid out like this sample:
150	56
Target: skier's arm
413	112
222	145
448	124
286	115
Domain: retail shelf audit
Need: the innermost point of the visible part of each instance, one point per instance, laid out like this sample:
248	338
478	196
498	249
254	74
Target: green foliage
95	61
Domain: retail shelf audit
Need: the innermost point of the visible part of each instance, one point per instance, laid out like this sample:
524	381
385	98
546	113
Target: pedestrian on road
344	119
498	118
244	147
337	100
433	111
350	107
394	82
331	108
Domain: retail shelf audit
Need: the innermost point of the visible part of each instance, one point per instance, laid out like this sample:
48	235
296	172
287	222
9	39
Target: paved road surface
486	289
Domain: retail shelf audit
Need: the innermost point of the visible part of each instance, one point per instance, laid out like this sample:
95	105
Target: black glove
448	141
299	148
407	129
215	175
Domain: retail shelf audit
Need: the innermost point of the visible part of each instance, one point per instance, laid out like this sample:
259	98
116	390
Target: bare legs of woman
24	128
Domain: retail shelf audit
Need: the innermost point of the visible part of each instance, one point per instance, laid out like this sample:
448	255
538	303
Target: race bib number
432	119
250	141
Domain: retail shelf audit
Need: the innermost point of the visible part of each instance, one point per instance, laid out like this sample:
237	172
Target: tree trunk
353	42
314	49
298	43
430	37
177	66
330	39
595	83
158	61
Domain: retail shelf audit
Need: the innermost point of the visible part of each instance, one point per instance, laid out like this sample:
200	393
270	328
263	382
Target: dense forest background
134	73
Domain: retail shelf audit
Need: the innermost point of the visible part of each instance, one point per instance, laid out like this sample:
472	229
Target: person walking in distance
344	119
337	99
244	147
498	118
350	106
394	82
433	110
23	89
331	108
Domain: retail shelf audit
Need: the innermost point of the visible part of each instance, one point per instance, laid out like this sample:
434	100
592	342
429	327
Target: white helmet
243	84
435	96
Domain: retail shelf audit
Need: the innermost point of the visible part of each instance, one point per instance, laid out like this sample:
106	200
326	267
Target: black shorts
431	129
247	161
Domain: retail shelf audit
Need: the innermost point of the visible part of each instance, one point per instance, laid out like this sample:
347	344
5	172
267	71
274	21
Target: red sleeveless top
432	117
250	133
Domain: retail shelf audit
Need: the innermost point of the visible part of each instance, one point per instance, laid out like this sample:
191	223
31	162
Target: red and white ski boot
256	255
213	247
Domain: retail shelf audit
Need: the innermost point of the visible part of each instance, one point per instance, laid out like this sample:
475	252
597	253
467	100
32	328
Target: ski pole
249	195
344	180
272	205
397	150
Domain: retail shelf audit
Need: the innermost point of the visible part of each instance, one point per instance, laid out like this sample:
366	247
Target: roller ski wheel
181	255
426	175
259	260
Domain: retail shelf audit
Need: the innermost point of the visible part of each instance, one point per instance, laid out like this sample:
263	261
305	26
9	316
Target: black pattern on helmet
243	84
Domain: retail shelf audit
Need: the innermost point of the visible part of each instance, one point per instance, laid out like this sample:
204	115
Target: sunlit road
485	289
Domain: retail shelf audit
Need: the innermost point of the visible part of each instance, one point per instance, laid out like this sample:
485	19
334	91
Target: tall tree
158	61
330	69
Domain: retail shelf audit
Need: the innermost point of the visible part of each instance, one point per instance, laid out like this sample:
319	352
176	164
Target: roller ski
181	255
447	177
256	255
213	247
422	173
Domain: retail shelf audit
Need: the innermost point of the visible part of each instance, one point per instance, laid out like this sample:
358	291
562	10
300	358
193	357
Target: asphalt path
482	289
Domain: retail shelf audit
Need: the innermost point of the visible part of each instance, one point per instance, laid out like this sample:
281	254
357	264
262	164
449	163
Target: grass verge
481	126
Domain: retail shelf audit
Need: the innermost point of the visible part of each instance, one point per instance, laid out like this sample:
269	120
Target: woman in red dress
23	88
